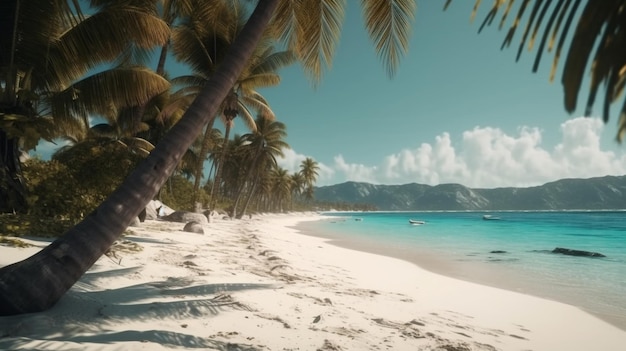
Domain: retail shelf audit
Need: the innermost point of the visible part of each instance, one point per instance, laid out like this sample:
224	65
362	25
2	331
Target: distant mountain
567	194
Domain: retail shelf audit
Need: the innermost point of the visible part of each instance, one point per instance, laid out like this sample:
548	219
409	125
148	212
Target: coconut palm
265	144
203	48
308	169
599	35
39	281
47	47
264	189
281	188
235	166
297	187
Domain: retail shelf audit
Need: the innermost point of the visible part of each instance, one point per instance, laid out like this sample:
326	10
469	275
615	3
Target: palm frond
188	81
273	61
100	38
27	31
256	101
189	48
173	9
555	32
319	29
174	109
597	45
261	80
389	25
284	26
111	89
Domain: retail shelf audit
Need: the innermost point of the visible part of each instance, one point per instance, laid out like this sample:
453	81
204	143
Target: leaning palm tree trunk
37	283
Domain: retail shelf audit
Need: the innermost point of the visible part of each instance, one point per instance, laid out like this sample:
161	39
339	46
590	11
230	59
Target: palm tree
47	46
281	188
599	33
265	144
199	40
308	169
39	281
298	186
235	166
264	189
203	48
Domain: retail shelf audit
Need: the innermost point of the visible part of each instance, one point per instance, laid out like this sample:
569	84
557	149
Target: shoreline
469	271
260	284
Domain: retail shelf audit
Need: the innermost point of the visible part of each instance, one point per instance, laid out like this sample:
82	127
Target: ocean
513	252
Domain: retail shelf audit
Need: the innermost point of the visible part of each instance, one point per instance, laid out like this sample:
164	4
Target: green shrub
178	192
71	185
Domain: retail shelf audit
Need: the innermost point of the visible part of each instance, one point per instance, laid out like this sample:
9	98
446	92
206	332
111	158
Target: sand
257	284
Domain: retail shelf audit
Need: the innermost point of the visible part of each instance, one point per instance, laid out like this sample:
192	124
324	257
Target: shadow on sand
85	316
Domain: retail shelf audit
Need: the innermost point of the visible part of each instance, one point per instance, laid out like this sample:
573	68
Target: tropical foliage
47	50
202	47
52	47
72	184
597	43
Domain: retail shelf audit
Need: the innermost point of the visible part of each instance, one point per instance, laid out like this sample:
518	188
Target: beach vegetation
53	47
75	181
178	190
261	148
200	41
49	50
309	170
297	187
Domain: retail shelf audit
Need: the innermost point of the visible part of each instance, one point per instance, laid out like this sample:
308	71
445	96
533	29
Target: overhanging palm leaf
101	38
389	24
104	92
202	39
311	29
599	35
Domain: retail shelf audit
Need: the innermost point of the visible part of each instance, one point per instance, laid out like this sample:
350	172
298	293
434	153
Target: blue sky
459	110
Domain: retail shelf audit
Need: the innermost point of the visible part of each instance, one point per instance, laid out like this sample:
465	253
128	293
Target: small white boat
416	222
490	218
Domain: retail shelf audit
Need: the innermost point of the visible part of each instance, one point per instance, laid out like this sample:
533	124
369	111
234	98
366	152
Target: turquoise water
513	252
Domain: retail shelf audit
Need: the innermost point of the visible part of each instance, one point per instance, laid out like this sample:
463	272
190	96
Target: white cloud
487	157
355	172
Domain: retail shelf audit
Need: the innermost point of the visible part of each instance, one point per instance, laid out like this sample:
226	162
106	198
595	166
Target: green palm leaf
100	38
389	25
319	27
597	45
103	92
311	29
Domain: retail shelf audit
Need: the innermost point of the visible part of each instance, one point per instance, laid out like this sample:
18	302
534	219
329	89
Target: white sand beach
258	284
